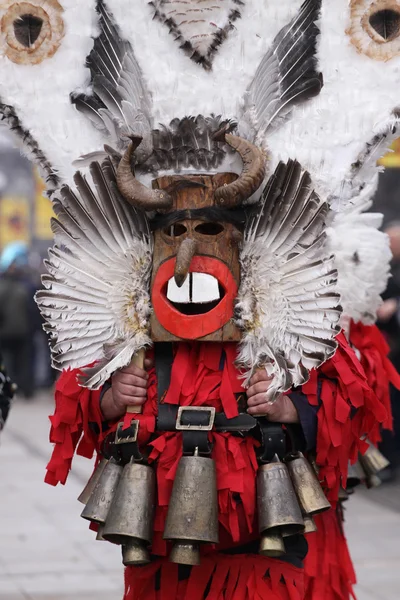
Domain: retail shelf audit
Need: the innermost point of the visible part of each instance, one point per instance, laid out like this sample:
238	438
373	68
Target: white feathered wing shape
288	305
96	302
362	258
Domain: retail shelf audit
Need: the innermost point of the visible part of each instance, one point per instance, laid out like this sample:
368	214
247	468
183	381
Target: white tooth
178	294
204	288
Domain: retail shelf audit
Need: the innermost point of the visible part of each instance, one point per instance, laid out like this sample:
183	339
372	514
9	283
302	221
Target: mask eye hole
31	31
209	228
386	23
27	29
175	230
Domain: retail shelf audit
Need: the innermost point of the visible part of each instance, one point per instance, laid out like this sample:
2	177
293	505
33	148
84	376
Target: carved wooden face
196	273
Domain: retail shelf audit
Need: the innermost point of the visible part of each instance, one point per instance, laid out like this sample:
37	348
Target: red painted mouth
190	319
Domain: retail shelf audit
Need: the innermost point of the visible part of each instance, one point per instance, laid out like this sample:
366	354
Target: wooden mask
196	269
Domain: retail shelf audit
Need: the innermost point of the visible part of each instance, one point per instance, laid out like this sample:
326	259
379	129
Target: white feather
97	308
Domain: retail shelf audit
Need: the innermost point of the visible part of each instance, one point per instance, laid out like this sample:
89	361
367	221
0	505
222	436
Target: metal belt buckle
128	439
179	425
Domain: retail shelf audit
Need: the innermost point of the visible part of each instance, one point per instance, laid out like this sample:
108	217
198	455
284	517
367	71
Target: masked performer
203	238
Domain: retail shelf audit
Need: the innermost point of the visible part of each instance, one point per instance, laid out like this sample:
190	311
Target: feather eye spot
386	23
375	28
32	31
27	29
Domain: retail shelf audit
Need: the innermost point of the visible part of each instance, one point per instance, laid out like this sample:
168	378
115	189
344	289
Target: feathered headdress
310	84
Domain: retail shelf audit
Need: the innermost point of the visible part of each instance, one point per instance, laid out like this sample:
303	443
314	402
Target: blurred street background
45	546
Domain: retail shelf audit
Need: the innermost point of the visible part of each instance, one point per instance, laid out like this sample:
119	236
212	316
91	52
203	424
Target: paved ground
48	553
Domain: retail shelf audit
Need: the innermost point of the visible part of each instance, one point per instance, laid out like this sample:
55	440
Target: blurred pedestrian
7	390
19	317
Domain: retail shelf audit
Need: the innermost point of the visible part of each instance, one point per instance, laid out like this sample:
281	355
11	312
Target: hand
281	411
386	311
129	388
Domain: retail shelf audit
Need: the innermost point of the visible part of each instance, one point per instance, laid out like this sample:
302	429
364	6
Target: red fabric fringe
349	410
329	572
75	408
219	577
380	372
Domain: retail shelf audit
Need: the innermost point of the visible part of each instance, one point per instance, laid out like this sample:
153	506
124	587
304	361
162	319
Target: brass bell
130	518
192	517
271	544
97	508
135	554
309	525
276	499
343	495
355	475
308	489
373	481
91	484
373	461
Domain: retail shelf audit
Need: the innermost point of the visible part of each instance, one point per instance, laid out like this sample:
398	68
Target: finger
131	390
265	410
260	375
261	387
128	379
132	369
124	400
258	399
148	363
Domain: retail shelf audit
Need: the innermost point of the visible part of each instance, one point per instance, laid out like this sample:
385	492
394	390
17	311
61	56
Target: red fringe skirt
219	577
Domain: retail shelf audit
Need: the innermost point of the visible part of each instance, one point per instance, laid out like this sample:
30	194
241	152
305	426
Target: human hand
282	410
128	388
387	310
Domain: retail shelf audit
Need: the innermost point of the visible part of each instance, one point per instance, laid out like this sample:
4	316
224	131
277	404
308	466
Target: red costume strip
349	410
219	577
75	408
379	370
328	569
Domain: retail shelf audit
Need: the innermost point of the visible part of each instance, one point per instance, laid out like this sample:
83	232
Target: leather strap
273	440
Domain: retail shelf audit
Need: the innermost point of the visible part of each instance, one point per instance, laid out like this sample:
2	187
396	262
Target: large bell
276	499
373	461
192	517
91	484
130	518
308	489
97	508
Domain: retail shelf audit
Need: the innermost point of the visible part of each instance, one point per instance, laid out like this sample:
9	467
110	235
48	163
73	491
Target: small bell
308	489
277	503
192	517
91	484
272	544
96	510
130	518
134	555
343	495
373	461
355	475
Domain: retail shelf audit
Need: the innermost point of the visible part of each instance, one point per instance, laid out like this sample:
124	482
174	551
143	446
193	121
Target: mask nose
186	251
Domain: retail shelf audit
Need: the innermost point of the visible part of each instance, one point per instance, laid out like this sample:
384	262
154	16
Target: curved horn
135	192
254	167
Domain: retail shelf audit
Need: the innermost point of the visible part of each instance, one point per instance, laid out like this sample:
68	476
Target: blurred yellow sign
392	159
43	212
14	220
